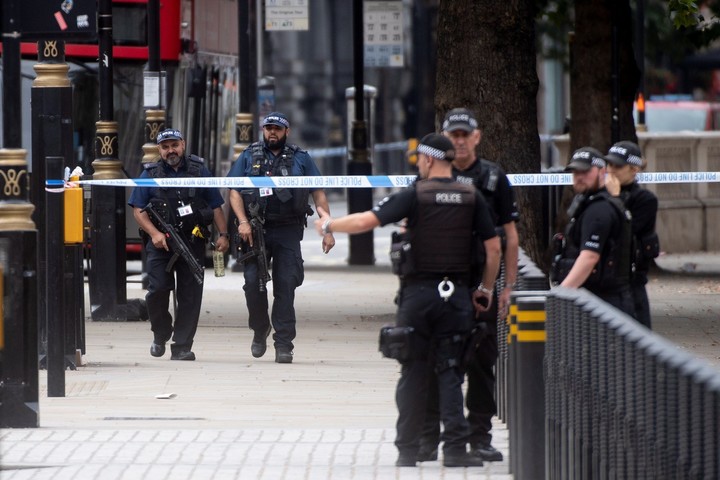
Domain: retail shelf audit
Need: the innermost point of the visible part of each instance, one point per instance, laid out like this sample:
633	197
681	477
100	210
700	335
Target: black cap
436	146
169	134
625	153
459	119
276	118
583	159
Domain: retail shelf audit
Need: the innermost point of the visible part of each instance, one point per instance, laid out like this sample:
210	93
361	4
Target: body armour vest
485	176
615	265
441	235
285	205
169	199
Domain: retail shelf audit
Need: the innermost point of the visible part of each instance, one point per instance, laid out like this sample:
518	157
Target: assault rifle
178	245
257	249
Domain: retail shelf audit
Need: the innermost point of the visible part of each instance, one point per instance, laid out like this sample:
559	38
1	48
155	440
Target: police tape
367	181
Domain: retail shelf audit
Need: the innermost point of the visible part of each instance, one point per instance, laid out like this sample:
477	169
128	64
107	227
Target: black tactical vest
169	199
485	176
441	235
615	265
285	205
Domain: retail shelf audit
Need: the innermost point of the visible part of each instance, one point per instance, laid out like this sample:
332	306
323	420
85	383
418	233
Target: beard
173	160
274	144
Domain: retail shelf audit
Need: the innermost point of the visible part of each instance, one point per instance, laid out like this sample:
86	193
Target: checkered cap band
634	160
169	134
430	151
276	120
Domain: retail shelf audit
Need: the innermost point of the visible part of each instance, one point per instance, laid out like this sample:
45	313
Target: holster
401	254
450	352
396	343
472	343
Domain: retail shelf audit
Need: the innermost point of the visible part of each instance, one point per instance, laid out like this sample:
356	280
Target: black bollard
527	395
54	254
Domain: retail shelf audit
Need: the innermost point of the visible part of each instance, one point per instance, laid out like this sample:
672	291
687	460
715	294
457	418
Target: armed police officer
625	161
461	127
175	222
595	250
440	294
279	215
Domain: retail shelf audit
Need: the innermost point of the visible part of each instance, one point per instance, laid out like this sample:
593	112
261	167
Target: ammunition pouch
163	210
204	213
401	254
396	343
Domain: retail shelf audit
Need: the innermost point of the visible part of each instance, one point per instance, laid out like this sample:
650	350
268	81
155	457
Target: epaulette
151	165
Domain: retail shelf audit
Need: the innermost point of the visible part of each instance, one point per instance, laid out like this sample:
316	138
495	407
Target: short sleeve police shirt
596	226
141	196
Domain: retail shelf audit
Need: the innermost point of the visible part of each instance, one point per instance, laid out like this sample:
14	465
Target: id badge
185	210
265	192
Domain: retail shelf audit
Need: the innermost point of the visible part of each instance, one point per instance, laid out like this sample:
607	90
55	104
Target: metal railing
620	402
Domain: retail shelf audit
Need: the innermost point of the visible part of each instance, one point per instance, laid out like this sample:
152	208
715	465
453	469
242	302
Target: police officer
190	211
284	212
439	293
461	127
625	161
595	250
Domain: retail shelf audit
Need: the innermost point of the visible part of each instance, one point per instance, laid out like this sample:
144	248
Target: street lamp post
108	272
19	389
359	199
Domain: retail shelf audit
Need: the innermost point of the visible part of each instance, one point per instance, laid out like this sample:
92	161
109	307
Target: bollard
530	389
54	254
526	389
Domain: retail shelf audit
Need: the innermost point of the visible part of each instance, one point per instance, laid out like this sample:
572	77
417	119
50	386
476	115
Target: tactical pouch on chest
396	343
401	254
162	208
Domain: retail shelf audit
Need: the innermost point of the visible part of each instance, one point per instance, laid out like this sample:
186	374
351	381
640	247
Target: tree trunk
486	62
591	74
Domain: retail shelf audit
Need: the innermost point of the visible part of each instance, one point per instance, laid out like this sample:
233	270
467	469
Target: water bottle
219	263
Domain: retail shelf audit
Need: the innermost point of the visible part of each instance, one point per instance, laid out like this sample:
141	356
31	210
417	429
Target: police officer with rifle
174	222
270	224
448	226
594	252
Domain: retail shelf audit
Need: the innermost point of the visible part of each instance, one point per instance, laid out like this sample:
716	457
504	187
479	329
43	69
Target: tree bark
487	63
591	70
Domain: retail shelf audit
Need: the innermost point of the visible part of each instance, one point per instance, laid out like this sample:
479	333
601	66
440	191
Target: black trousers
480	395
640	298
622	299
420	306
282	244
187	291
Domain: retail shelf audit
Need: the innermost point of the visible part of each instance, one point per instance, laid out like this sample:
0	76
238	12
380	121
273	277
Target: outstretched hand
328	241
